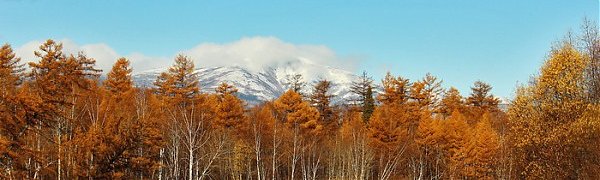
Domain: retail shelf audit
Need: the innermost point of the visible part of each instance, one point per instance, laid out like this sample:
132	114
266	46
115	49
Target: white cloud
256	53
253	53
26	51
104	55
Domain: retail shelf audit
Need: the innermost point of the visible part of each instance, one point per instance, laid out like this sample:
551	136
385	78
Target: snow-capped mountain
262	85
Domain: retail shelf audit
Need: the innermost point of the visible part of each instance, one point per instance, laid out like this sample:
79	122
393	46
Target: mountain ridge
262	85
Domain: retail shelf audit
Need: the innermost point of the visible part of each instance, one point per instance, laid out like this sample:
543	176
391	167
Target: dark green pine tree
364	89
369	104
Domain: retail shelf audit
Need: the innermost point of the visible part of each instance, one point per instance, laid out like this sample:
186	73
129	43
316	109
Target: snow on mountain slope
263	85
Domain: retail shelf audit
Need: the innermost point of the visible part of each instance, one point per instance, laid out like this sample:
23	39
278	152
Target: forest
60	120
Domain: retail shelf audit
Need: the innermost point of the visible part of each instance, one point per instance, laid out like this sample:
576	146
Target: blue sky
460	41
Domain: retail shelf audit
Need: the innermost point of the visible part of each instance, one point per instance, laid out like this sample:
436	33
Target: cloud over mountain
256	53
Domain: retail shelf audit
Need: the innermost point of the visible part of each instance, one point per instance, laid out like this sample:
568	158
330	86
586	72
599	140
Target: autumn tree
302	122
388	134
230	109
118	137
481	100
179	84
478	157
232	124
590	41
321	99
550	126
265	141
146	160
426	93
456	135
48	79
225	89
19	110
178	89
119	79
114	130
424	101
430	139
83	78
389	129
267	129
125	142
395	90
351	157
10	79
10	70
451	101
481	97
297	112
59	80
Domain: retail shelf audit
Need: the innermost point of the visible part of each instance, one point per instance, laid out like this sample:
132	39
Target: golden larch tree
230	109
303	127
60	80
479	155
320	98
547	120
389	127
451	101
19	110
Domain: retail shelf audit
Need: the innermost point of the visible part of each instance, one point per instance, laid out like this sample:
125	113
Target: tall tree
232	125
225	89
10	70
230	109
389	127
395	90
59	81
119	78
321	99
480	101
456	137
179	83
481	97
265	140
105	147
389	136
479	155
298	113
452	101
19	110
295	82
302	123
368	106
363	87
48	79
427	92
146	161
548	111
440	142
178	89
590	39
430	138
354	153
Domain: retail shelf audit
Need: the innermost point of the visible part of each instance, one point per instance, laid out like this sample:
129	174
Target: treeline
59	121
